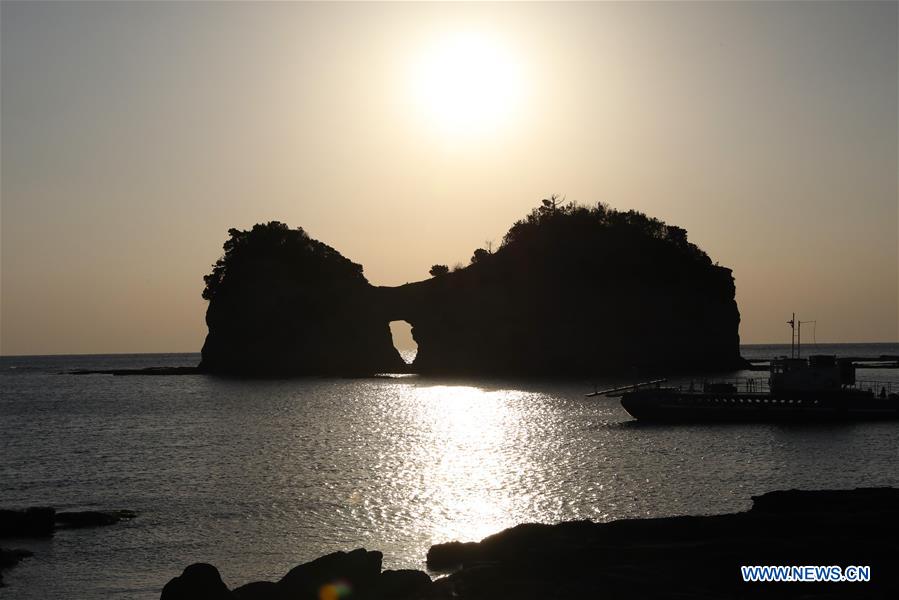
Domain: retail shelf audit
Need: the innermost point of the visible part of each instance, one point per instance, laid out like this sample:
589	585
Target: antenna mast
792	324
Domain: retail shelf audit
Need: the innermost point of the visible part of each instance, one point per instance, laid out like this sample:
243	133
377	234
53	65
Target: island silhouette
571	290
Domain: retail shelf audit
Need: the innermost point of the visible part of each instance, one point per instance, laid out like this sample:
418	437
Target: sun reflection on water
469	430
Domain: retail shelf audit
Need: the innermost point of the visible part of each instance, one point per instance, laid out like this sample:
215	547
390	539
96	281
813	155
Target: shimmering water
258	476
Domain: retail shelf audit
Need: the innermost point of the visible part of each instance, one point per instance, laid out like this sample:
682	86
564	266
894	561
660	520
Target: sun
468	83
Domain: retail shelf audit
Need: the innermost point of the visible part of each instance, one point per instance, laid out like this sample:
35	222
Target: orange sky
135	134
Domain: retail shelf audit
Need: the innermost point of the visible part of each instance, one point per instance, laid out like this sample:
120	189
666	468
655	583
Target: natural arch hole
403	340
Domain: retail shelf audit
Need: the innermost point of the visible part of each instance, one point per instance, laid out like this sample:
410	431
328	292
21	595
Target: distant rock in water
42	521
37	521
10	558
91	518
571	290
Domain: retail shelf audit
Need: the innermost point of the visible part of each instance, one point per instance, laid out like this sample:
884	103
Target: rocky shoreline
674	557
671	557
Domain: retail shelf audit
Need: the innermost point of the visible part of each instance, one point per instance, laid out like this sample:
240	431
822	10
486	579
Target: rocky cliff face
572	290
281	303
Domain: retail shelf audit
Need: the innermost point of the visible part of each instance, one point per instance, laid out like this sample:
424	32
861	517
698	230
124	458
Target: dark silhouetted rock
281	303
676	557
258	590
575	290
199	581
42	521
846	502
31	522
357	571
356	574
12	557
571	290
91	518
688	557
402	584
443	557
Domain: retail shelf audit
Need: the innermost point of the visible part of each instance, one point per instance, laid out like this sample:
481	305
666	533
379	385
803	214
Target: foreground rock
676	557
199	580
688	557
355	574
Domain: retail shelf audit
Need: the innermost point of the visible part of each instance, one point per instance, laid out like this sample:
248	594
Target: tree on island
479	255
574	224
275	250
438	270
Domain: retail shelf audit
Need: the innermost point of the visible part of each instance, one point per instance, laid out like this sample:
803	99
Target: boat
818	388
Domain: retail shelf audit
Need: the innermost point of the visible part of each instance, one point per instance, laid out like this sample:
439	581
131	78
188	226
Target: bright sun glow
468	83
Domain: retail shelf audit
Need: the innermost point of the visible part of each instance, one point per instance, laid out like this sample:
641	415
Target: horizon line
65	354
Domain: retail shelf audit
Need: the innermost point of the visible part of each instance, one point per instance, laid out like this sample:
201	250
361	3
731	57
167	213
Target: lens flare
337	590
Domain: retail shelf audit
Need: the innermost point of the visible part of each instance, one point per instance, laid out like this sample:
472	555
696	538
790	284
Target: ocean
256	477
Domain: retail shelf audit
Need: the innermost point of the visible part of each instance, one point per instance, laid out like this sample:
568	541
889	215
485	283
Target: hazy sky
135	134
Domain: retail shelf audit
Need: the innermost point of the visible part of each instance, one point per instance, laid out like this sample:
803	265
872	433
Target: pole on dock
792	324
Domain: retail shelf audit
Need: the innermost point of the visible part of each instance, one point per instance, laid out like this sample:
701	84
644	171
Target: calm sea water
256	477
